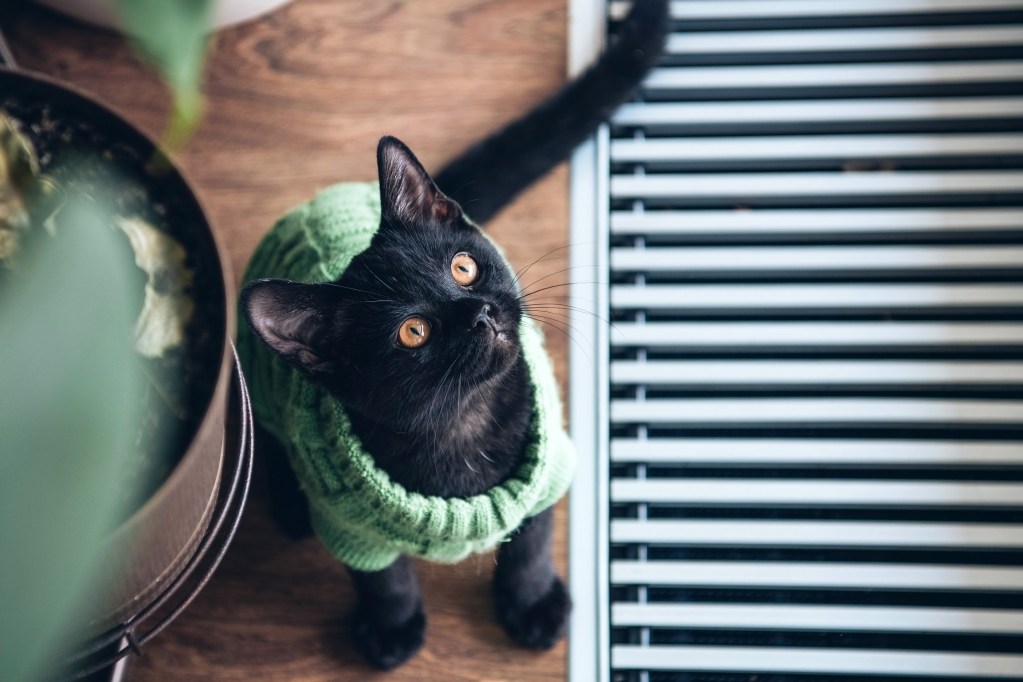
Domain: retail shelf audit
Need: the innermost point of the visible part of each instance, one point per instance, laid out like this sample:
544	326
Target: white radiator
802	437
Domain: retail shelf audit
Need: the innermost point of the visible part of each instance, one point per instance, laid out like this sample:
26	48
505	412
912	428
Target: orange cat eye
413	332
464	269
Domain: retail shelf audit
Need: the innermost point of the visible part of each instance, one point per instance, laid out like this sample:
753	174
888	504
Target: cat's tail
488	175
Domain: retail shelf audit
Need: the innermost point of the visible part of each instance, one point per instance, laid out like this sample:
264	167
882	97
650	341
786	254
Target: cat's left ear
295	321
408	196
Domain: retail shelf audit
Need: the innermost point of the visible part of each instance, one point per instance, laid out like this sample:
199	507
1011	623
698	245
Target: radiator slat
787	616
815	222
745	9
811	258
813	147
737	335
750	186
814	451
815	492
812	412
800	112
815	661
769	372
834	75
754	532
843	39
831	296
741	574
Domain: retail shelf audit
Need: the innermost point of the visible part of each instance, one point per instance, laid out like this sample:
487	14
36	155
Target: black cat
411	342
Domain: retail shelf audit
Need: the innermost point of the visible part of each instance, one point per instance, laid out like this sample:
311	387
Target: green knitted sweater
363	517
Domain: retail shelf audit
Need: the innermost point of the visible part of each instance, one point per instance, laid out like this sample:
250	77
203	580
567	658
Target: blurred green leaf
173	36
69	395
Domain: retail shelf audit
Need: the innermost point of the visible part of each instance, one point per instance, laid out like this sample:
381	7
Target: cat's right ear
408	196
294	321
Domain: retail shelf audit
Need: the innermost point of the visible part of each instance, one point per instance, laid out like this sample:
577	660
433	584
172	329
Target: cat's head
425	315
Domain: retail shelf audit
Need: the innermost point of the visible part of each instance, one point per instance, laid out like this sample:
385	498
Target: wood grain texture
297	101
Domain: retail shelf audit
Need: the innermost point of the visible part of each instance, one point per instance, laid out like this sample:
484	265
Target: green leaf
68	412
172	36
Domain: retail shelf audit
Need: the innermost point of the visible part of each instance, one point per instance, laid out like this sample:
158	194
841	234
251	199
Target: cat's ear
294	321
408	196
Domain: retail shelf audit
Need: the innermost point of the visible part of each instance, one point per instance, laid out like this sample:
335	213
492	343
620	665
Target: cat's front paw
388	645
537	623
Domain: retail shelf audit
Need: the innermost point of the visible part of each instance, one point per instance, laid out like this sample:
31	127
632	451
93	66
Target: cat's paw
387	645
537	624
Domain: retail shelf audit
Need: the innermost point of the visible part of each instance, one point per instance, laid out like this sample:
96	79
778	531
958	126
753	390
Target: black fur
448	418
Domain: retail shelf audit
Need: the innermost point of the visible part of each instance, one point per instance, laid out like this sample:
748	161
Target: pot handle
6	58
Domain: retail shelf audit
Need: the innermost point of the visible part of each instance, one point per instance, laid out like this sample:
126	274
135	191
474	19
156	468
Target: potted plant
69	161
59	458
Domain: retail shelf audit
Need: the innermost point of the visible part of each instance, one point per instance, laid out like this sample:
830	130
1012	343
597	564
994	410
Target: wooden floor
297	101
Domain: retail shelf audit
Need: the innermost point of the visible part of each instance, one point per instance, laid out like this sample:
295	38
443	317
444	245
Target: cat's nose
483	320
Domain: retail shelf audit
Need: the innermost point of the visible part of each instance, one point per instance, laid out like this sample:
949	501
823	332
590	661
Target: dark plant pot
150	548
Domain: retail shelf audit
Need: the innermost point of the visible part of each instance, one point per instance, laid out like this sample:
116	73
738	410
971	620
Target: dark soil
92	157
